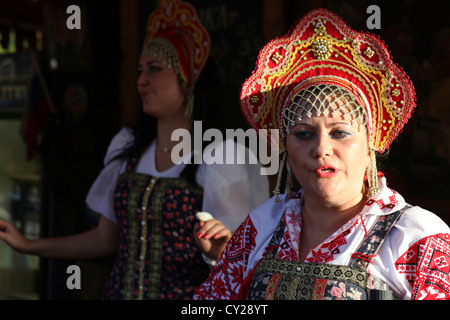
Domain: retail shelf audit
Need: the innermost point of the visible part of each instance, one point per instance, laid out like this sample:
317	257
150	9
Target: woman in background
147	202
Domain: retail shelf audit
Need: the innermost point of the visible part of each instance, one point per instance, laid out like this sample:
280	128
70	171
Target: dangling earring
372	175
189	106
276	192
289	184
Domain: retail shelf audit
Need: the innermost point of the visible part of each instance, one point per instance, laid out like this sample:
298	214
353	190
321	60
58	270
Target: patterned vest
276	279
157	257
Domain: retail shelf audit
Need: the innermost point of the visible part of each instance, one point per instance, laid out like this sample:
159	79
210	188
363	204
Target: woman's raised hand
211	236
13	237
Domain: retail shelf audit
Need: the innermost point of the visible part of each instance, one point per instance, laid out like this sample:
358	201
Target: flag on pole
39	110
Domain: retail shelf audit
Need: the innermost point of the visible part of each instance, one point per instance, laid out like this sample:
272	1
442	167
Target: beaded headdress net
175	34
322	66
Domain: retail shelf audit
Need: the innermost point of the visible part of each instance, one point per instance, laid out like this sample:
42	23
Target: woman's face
159	88
329	156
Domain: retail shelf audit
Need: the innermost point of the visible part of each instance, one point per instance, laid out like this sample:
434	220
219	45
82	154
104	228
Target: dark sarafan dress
157	257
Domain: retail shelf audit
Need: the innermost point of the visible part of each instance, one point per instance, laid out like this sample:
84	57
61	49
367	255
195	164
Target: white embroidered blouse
414	259
231	190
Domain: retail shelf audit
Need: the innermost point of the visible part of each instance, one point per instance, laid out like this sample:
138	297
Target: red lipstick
326	171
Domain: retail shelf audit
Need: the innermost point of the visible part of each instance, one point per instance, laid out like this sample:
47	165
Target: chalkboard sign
235	27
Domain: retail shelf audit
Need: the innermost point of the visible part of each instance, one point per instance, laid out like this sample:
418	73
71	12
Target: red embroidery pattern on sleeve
426	266
226	279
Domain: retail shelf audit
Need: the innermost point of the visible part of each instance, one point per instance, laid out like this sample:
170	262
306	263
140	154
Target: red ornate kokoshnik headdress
322	50
175	29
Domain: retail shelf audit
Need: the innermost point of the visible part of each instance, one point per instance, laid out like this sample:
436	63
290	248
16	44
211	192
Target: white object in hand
204	216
